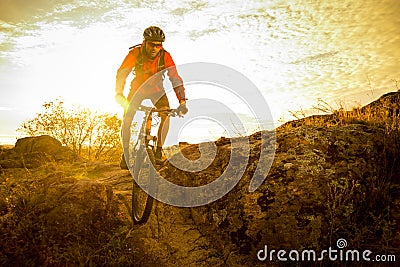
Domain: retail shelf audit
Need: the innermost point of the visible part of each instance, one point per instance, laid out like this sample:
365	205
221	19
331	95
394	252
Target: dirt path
170	237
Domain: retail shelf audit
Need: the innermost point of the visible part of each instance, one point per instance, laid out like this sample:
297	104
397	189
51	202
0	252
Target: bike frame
143	155
144	136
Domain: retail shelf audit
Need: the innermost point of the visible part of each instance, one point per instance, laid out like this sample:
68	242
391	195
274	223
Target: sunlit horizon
72	52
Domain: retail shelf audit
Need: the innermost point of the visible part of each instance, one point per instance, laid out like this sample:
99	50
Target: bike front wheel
144	172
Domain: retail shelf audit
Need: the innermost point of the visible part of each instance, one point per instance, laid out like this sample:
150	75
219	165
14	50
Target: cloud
6	109
16	10
5	26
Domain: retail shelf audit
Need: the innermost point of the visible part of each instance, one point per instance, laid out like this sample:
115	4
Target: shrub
88	133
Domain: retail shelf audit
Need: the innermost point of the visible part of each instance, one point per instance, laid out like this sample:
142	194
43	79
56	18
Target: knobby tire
142	202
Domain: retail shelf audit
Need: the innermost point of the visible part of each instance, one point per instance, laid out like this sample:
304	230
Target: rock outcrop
323	185
32	152
328	181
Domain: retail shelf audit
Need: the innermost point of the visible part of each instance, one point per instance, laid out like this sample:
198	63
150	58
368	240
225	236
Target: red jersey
144	69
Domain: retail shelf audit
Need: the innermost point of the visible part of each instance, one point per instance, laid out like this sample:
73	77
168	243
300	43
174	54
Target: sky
295	52
72	49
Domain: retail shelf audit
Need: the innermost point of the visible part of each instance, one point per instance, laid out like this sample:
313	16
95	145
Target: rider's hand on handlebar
182	109
122	101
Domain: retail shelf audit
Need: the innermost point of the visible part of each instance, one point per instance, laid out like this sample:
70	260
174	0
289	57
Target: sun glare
75	65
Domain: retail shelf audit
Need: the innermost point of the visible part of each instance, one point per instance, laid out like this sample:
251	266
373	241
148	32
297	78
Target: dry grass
31	236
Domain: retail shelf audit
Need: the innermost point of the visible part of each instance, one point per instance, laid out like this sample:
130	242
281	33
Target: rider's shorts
160	102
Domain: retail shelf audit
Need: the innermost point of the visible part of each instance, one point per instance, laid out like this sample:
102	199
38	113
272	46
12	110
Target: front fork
149	137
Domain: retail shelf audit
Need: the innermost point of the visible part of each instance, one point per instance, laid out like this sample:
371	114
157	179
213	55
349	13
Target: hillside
333	177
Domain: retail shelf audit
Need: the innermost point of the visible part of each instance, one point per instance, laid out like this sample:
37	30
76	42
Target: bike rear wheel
142	202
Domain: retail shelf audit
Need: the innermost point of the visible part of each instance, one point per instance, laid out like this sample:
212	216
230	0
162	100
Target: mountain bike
140	160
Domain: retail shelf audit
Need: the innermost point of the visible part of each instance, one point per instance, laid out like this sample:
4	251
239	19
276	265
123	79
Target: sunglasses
156	45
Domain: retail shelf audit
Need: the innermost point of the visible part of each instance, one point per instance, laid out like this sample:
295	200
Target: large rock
323	185
46	144
32	152
327	182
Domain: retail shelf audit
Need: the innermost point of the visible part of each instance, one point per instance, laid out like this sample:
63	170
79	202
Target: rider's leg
162	103
136	100
163	130
148	125
161	136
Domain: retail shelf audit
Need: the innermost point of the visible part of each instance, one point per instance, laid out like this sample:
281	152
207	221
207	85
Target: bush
92	135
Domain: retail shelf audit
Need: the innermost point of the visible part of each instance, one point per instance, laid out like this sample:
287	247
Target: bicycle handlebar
147	109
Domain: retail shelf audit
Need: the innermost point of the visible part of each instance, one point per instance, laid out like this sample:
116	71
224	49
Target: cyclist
147	59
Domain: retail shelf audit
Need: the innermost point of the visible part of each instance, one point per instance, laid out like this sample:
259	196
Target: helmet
154	33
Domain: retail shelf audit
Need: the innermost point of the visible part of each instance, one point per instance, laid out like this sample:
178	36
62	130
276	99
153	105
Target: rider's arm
124	70
176	80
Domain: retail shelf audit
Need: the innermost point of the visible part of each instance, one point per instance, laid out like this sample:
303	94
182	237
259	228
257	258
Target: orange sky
295	54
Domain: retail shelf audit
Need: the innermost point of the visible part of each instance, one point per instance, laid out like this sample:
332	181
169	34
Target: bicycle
140	160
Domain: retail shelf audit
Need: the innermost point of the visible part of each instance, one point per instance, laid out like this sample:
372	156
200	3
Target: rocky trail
171	236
